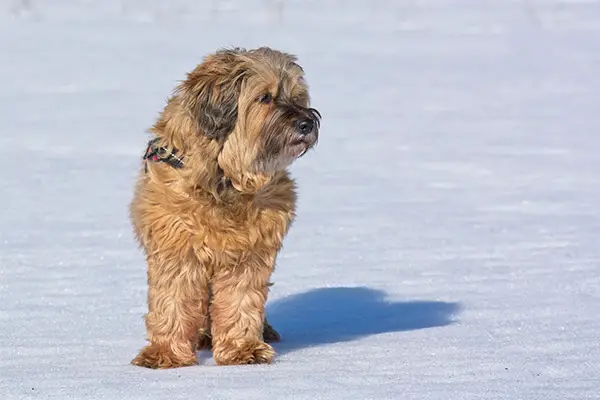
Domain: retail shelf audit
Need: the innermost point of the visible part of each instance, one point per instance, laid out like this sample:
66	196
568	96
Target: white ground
447	239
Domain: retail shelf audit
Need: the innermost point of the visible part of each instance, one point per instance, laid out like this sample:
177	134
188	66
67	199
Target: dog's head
255	104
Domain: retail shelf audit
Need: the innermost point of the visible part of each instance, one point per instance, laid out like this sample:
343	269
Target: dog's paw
162	357
270	335
255	352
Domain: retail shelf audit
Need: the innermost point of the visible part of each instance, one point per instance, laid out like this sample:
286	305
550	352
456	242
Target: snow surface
446	245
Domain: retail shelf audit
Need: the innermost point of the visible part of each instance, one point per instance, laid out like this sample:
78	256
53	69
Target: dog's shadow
340	314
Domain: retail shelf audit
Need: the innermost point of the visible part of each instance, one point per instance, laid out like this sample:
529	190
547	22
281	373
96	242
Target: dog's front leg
237	313
177	301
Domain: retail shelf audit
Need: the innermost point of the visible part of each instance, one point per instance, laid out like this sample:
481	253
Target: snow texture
446	245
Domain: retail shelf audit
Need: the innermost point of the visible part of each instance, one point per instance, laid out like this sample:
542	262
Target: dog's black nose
305	126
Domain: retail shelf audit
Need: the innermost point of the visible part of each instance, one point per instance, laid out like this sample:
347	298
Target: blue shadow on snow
341	314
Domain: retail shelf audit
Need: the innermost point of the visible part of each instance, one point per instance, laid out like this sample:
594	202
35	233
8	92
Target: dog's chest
254	226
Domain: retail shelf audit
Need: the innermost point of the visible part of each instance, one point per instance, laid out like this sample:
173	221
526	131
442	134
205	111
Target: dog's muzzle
305	126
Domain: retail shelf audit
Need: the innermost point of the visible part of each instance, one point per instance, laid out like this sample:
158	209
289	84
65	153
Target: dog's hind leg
177	296
270	334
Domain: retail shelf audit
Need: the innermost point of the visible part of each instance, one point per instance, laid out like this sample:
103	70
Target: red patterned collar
156	153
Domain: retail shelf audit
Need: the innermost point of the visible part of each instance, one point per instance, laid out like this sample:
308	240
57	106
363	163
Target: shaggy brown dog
214	202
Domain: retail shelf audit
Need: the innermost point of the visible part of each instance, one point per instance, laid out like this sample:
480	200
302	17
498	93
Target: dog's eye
266	98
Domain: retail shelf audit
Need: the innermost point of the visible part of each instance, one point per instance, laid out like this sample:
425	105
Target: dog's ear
211	92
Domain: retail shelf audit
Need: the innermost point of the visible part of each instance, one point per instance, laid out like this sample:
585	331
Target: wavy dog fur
212	229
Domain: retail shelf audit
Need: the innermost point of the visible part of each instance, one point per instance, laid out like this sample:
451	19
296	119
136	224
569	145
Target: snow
446	239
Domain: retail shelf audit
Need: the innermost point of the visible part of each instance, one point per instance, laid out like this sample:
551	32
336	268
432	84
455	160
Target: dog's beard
282	144
279	162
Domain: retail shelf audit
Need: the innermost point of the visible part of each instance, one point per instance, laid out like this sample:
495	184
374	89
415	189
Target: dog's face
256	105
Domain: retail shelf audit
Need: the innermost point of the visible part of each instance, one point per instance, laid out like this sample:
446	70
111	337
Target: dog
214	201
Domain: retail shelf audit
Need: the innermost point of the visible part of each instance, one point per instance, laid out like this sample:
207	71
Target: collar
157	153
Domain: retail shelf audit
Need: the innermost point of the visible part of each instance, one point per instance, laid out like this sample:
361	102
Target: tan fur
211	230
